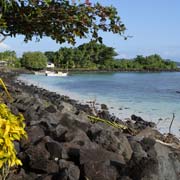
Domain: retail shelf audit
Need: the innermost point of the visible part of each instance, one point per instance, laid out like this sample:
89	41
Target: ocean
153	96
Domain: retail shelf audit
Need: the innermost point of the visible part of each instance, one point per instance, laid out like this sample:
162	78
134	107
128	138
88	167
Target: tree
62	20
34	60
98	54
140	59
78	58
9	56
50	56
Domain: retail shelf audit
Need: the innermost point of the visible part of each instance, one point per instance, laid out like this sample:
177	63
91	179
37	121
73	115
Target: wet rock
84	107
140	123
104	114
104	107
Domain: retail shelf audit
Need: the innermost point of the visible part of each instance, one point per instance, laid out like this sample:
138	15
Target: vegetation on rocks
11	130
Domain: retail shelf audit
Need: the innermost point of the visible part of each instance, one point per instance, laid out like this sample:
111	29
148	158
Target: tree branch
171	123
3	38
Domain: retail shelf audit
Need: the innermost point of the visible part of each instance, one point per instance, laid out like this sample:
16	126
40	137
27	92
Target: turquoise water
149	95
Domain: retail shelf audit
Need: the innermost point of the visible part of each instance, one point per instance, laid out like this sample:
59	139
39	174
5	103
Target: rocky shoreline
64	144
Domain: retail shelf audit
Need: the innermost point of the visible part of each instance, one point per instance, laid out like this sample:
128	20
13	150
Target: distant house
50	65
3	63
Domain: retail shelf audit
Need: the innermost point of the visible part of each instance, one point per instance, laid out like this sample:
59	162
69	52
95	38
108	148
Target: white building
50	65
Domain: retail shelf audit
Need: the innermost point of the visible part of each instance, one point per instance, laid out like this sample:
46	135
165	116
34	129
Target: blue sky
154	25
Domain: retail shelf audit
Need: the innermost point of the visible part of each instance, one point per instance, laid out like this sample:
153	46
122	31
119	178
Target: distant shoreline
22	70
120	70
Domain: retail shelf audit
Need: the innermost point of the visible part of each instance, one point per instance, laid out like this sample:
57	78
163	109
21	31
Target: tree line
95	56
88	56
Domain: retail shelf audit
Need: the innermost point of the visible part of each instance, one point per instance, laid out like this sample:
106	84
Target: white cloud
4	46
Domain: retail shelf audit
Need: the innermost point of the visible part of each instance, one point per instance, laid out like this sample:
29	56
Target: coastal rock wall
64	145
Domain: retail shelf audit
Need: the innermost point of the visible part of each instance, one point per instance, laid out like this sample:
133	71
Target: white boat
39	73
51	73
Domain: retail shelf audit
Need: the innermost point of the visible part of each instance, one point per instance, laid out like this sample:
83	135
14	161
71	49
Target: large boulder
55	149
98	171
100	164
72	121
39	159
152	160
112	140
75	140
35	133
71	171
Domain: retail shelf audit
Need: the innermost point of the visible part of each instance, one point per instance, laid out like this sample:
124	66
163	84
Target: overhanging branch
3	38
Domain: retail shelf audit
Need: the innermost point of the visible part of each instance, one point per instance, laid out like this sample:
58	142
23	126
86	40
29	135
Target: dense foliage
148	63
62	20
98	56
10	58
91	55
11	129
34	60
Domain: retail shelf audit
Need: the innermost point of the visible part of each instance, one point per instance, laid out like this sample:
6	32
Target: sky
153	24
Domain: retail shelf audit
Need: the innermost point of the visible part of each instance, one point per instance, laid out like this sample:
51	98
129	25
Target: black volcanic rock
64	145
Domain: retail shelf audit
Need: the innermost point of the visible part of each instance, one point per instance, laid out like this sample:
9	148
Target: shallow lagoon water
152	96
